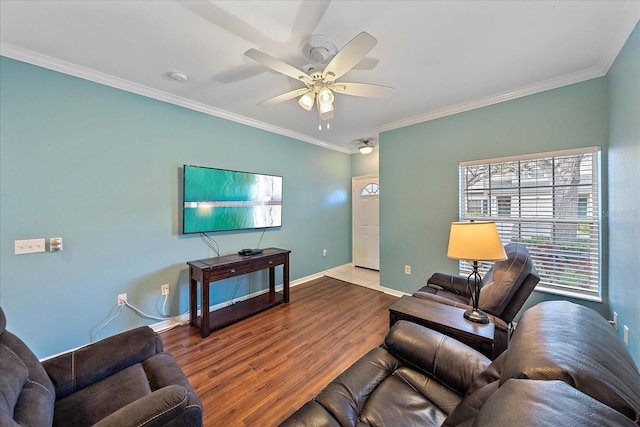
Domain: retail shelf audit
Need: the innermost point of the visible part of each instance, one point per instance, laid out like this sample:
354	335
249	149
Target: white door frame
354	197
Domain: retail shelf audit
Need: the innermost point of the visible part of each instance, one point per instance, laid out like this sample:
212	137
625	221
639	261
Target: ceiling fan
365	145
320	79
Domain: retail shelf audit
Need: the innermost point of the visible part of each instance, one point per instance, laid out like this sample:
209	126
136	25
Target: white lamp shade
306	100
325	96
475	241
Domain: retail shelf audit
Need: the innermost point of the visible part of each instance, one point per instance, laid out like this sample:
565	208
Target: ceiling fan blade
279	66
366	64
227	21
350	55
239	73
308	17
284	97
363	89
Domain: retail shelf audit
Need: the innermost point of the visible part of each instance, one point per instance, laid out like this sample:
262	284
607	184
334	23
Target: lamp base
476	316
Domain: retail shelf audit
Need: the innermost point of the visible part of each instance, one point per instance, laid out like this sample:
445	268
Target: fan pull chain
320	124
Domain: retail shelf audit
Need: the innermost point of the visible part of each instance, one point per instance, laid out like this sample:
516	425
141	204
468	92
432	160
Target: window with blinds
547	201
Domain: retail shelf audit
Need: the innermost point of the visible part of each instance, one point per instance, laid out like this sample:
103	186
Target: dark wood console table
210	270
445	319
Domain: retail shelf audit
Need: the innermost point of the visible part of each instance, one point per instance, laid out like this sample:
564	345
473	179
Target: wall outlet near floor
626	335
165	289
407	269
324	252
615	321
122	299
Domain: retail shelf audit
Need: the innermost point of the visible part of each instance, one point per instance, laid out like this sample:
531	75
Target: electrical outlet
407	269
615	320
324	252
165	289
55	244
122	299
626	335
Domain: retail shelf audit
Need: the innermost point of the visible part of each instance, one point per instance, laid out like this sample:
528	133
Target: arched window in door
371	189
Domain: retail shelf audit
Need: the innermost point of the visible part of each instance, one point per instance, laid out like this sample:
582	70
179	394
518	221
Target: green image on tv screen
221	200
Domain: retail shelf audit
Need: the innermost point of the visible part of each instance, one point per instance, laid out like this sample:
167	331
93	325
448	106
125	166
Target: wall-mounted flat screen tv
223	200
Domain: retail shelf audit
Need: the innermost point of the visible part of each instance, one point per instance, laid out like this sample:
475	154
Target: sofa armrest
77	369
450	283
155	409
451	362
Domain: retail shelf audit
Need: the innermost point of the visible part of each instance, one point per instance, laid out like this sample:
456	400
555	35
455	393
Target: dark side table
445	319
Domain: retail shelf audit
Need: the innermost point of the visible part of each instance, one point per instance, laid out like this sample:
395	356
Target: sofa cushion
77	369
95	402
379	390
26	392
437	355
558	340
504	278
530	403
158	408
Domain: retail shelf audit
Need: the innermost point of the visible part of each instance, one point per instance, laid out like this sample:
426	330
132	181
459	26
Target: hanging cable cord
137	310
261	236
211	242
107	322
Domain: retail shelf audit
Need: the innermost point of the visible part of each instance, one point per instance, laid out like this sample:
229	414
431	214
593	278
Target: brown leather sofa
123	380
506	287
565	366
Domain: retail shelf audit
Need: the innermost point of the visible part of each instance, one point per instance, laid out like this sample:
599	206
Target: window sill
568	293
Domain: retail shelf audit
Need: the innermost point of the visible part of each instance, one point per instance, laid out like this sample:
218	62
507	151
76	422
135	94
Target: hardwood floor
259	371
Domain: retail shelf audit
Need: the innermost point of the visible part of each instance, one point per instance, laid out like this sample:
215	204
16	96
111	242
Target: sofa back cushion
528	403
559	340
27	395
503	279
74	370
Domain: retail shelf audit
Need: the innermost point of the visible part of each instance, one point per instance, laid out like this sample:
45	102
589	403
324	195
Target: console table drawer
231	271
272	261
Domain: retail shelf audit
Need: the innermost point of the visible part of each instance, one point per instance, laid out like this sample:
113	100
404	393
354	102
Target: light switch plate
29	246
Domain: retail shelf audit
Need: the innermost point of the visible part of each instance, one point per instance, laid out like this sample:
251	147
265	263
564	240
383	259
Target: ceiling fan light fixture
325	96
365	149
306	101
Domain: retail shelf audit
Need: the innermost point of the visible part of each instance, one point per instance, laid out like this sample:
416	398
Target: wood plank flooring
259	371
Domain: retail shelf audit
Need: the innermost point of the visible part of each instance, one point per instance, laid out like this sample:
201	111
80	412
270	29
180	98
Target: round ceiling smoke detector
318	49
177	76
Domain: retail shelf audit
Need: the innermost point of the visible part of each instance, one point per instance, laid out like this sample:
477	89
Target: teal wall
100	167
624	197
419	170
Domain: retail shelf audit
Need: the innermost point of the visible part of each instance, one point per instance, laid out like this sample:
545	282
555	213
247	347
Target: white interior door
366	222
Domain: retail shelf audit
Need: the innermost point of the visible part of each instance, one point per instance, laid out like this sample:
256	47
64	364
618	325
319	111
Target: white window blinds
550	203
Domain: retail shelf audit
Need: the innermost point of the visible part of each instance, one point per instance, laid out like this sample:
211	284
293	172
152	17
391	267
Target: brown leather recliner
506	287
566	366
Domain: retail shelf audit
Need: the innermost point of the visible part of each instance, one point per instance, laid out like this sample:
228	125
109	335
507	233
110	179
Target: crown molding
44	61
627	21
554	83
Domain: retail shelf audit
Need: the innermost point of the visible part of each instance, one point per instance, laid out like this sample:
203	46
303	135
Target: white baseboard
183	319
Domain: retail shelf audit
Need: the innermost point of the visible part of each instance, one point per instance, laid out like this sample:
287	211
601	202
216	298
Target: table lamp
475	241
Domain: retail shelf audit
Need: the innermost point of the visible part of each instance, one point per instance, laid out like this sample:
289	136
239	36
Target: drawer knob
270	262
233	270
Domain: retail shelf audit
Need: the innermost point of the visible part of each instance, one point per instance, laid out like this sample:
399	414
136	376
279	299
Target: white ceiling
441	57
